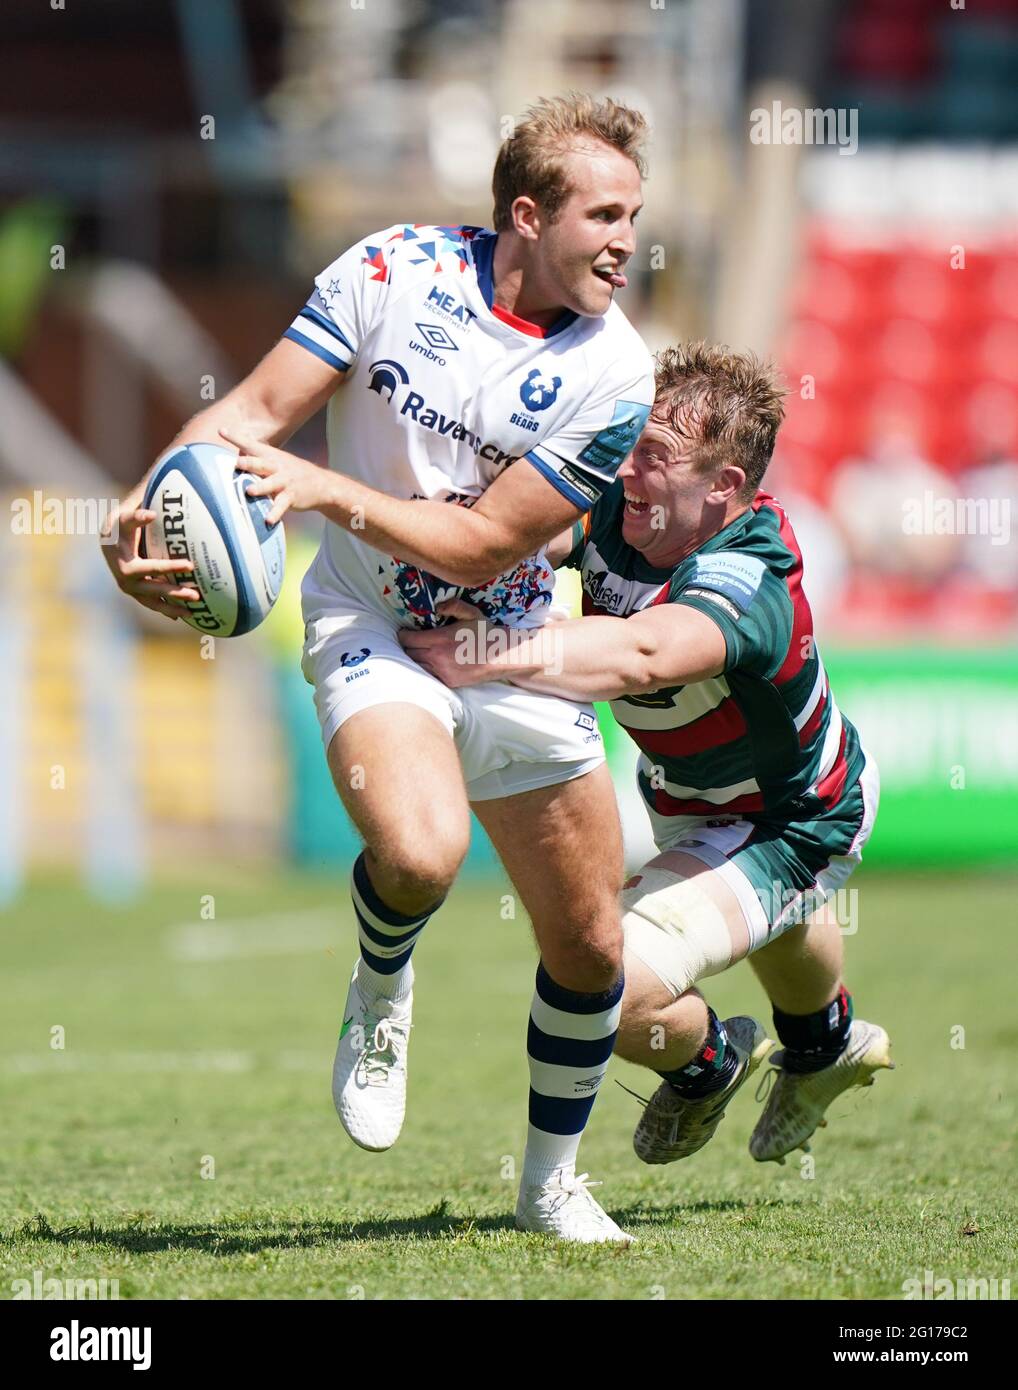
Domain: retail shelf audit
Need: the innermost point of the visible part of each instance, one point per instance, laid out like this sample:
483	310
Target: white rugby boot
370	1070
672	1126
564	1207
795	1107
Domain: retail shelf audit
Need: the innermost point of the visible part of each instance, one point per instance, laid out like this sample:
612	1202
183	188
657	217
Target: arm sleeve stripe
315	348
567	490
310	313
601	480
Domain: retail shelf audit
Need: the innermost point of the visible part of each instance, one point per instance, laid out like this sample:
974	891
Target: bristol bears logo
538	392
386	375
355	658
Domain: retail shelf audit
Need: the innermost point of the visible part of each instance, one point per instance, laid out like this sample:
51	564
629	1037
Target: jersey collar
483	249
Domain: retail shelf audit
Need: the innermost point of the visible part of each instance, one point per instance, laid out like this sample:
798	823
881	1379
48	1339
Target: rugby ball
203	514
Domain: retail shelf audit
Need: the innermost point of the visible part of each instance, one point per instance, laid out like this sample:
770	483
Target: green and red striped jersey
763	739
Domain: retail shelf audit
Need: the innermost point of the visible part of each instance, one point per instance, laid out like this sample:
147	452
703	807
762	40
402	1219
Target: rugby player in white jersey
760	795
447	354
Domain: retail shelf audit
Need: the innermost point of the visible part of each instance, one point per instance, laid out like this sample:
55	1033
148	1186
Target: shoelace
644	1101
579	1183
766	1083
379	1054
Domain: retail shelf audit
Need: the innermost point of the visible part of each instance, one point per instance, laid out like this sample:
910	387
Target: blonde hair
529	162
727	404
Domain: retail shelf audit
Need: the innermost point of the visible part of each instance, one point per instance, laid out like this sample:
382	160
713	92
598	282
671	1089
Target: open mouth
635	506
611	276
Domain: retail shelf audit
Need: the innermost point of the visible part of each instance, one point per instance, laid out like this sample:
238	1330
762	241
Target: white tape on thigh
675	929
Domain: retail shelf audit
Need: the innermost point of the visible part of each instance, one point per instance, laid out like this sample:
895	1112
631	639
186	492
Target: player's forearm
451	542
585	659
236	411
233	412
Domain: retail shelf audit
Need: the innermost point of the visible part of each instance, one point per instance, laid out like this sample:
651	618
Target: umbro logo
436	336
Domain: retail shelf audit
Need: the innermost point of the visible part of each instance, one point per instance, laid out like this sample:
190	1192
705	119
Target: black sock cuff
820	1035
573	1001
712	1066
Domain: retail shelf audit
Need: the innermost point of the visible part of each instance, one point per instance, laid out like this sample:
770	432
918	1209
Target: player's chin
636	528
593	297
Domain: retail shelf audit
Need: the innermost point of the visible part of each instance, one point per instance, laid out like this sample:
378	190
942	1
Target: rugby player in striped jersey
760	794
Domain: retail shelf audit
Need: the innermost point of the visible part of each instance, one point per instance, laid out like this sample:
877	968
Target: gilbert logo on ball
203	514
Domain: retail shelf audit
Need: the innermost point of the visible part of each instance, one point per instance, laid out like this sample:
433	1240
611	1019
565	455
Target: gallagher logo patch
611	445
730	573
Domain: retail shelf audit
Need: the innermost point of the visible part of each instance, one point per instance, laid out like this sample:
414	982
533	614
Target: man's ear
526	218
729	482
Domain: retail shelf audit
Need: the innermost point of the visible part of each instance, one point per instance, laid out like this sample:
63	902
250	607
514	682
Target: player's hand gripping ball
203	514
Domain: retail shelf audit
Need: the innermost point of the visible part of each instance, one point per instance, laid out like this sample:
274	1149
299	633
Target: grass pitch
183	1141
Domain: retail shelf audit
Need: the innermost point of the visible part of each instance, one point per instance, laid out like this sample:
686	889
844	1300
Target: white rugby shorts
509	740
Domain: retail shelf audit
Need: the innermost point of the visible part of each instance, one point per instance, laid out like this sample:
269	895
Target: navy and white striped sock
387	939
569	1042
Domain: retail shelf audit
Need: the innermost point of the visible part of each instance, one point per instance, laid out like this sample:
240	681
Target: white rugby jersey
443	391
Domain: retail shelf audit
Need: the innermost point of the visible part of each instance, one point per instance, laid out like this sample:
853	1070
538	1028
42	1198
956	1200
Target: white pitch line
275	934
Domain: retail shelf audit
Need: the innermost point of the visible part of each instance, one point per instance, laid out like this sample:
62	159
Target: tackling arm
512	519
518	514
597	658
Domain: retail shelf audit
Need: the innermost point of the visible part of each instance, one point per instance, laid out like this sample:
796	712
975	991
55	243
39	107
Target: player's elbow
473	574
484	563
258	415
641	667
462	570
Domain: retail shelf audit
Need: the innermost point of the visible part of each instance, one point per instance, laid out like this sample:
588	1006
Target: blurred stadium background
173	174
